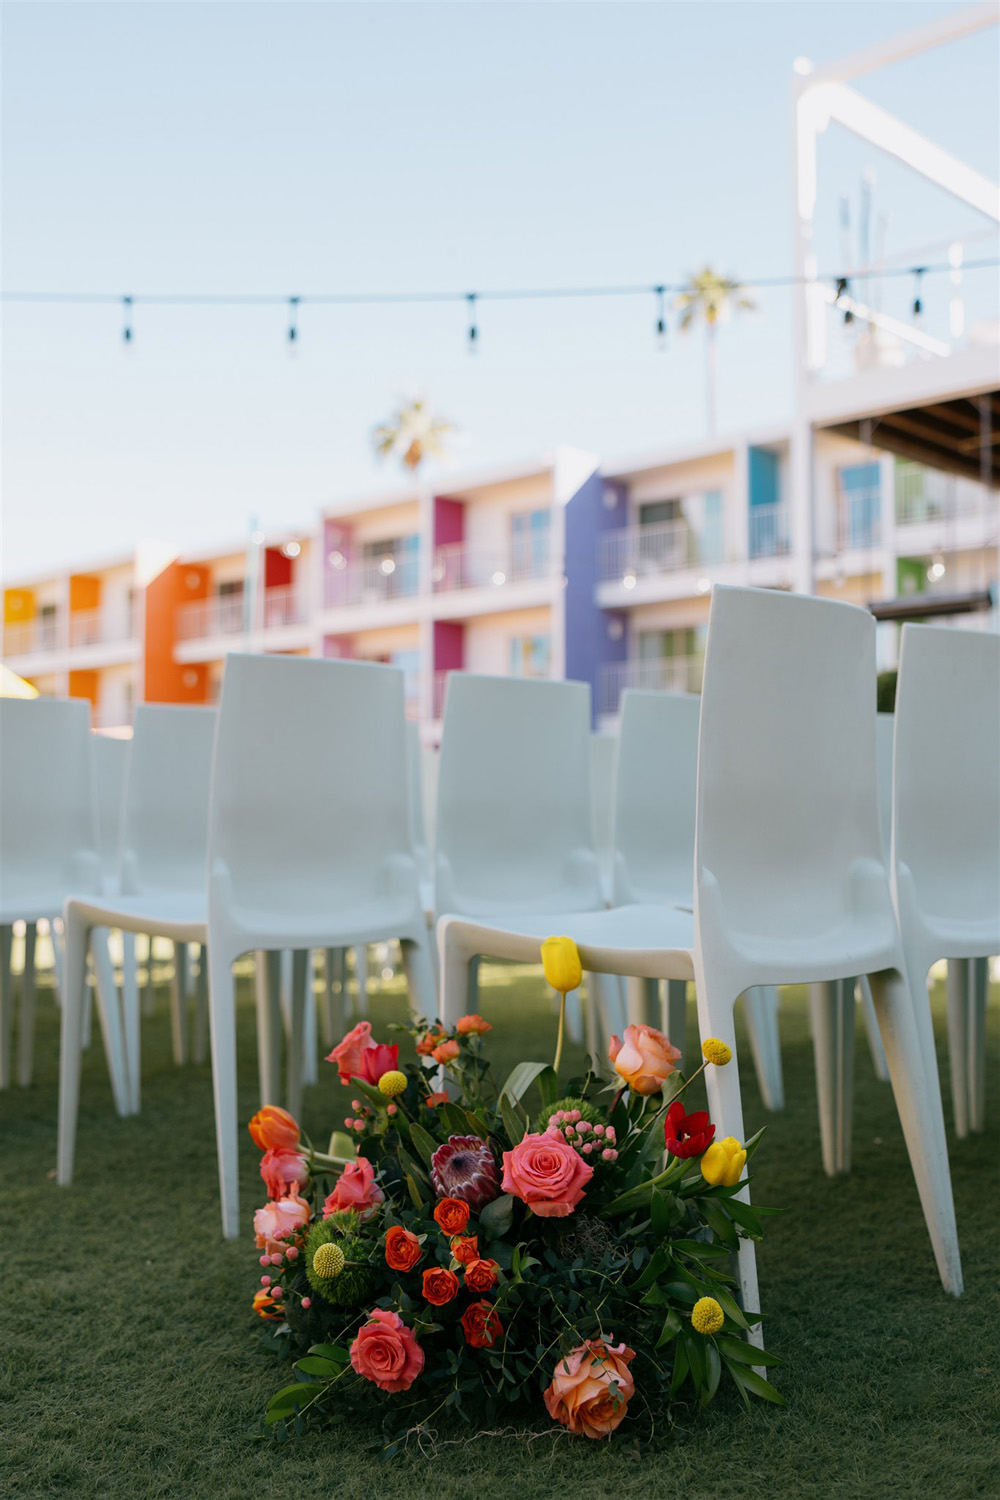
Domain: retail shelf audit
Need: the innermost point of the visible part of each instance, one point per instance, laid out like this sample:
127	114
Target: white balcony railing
282	606
86	628
635	551
672	674
370	580
209	617
457	566
859	519
768	534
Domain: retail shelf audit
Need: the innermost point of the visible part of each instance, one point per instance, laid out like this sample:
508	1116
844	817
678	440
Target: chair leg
26	1039
914	1085
110	1016
595	1001
864	999
642	1001
268	1025
455	964
677	1012
979	982
418	965
131	1018
332	1015
178	1005
74	981
296	1032
831	1008
222	1027
472	995
361	974
148	991
57	937
6	1004
760	1012
310	1032
199	1040
957	990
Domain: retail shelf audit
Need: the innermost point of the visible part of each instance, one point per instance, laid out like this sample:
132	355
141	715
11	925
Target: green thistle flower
355	1282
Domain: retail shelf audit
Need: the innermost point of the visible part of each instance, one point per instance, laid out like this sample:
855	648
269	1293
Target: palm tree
713	299
412	434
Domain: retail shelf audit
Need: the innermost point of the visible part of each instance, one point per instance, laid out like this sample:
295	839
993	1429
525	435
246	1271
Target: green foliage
885	692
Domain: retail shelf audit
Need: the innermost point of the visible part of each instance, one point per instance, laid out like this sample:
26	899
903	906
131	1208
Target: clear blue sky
366	147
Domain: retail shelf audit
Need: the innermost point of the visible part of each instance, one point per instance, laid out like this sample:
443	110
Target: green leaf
751	1145
341	1144
749	1380
496	1218
521	1079
713	1369
286	1402
671	1328
312	1364
335	1352
731	1308
548	1086
719	1222
695	1344
416	1197
424	1143
409	1165
370	1092
681	1367
513	1122
744	1217
659	1211
745	1354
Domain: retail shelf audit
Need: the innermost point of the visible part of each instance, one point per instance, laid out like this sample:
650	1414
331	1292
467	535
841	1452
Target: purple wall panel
594	637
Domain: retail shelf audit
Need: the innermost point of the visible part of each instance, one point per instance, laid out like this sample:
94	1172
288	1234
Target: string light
470	298
843	290
918	305
127	314
293	312
661	316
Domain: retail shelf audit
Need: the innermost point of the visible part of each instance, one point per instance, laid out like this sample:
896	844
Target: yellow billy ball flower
714	1051
561	963
723	1162
328	1261
392	1083
707	1316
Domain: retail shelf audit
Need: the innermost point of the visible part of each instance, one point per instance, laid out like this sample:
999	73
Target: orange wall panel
165	679
83	684
84	592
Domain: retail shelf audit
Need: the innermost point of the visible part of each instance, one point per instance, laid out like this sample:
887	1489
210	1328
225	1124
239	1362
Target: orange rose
591	1388
452	1215
481	1275
472	1026
265	1304
429	1040
645	1059
465	1250
440	1285
446	1051
274	1129
433	1100
481	1326
402	1249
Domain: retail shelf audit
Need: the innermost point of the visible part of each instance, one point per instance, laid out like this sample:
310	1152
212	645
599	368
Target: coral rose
591	1388
447	1051
402	1249
430	1040
547	1174
433	1100
283	1172
440	1285
277	1222
481	1275
355	1188
687	1135
387	1352
481	1326
452	1215
379	1059
465	1249
348	1054
645	1059
472	1026
274	1129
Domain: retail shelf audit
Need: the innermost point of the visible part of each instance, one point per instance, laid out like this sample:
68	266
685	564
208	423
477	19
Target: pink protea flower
464	1168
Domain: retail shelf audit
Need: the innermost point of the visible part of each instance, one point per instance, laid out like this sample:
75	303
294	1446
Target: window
860	505
529	543
47	625
653	512
672	659
391	566
530	655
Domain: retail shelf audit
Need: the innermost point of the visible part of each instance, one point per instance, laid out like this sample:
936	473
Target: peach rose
472	1026
387	1352
447	1050
430	1040
481	1275
355	1188
591	1388
645	1059
348	1055
547	1174
283	1172
277	1222
274	1129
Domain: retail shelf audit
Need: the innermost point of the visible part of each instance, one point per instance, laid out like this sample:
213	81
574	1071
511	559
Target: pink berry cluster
588	1139
362	1114
285	1261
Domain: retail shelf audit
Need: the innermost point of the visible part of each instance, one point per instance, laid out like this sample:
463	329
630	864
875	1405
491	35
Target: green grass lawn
132	1365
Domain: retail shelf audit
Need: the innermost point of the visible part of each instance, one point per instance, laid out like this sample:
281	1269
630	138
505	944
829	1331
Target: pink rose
356	1188
348	1055
645	1059
277	1221
387	1352
547	1174
283	1172
591	1388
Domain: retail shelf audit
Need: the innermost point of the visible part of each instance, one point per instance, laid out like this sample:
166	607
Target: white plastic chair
946	836
654	856
48	839
603	764
309	847
790	879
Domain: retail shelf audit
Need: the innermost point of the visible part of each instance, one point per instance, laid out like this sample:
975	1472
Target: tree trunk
711	371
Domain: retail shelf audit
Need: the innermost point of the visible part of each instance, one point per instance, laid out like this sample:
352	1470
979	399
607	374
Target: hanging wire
918	306
293	312
843	290
127	315
470	298
661	316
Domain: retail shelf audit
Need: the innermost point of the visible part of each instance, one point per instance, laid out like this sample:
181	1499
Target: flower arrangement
455	1252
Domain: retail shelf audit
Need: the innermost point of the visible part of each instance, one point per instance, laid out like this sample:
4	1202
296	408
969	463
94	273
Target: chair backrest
46	799
885	728
946	822
787	834
165	823
110	757
603	759
514	823
310	788
418	820
655	798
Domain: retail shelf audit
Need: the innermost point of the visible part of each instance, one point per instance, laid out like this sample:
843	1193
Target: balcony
634	551
457	566
671	674
210	617
371	580
859	519
49	634
769	532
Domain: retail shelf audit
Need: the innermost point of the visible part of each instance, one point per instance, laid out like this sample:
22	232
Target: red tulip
687	1135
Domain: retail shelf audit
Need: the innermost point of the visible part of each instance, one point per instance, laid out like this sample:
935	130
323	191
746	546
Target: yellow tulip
723	1162
561	963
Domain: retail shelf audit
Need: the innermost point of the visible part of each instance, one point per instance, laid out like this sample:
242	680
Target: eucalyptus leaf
496	1218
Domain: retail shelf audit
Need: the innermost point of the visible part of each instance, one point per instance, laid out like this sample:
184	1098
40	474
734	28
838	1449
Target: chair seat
644	940
951	937
180	915
333	926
